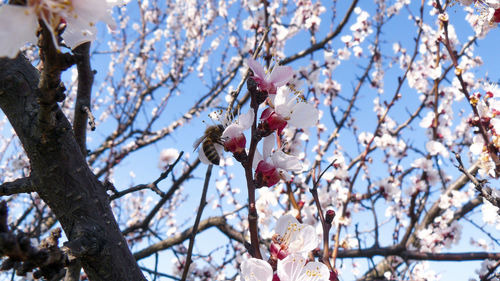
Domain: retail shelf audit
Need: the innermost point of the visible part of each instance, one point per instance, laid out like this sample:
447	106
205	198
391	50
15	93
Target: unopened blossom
273	166
288	109
269	80
18	24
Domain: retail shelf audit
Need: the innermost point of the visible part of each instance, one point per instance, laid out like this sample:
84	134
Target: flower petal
304	240
315	271
232	131
81	21
256	270
281	75
283	224
290	268
256	159
246	120
18	26
268	145
78	31
257	68
286	162
304	115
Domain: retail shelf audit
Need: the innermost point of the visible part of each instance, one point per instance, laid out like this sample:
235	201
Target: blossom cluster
488	120
291	241
489	10
283	107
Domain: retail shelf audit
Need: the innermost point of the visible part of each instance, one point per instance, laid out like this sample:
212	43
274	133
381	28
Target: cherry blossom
288	109
269	80
293	237
234	139
273	166
292	268
79	16
295	268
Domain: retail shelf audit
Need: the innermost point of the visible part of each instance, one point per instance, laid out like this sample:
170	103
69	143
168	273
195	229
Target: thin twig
203	203
326	224
235	93
485	191
153	186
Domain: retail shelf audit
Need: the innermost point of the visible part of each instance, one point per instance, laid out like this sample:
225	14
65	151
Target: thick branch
63	179
23	185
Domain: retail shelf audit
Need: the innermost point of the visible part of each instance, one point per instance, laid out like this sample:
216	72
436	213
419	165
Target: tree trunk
63	179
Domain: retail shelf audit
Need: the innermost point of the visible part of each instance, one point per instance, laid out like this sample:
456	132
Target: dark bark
62	178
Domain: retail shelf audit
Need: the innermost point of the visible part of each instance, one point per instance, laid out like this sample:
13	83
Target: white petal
283	223
305	240
290	268
256	159
18	26
256	270
257	69
281	97
315	271
232	131
477	145
78	32
246	120
268	145
435	147
286	162
304	115
281	75
81	22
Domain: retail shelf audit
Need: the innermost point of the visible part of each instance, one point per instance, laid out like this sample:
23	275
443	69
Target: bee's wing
198	141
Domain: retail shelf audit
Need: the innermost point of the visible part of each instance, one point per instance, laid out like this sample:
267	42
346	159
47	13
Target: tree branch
22	185
180	237
82	105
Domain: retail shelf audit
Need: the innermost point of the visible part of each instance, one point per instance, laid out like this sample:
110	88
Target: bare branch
202	205
179	238
23	185
82	105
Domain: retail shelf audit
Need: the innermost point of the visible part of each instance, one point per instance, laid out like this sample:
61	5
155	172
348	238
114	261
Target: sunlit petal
17	27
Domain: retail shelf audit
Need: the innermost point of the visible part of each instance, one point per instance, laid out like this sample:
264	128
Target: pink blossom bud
330	215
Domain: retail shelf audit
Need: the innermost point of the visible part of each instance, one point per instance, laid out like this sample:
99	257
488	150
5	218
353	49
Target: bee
211	137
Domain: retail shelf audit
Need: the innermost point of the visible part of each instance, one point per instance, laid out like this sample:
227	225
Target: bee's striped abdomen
210	151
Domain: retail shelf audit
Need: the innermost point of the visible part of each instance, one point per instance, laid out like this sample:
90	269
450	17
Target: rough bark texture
63	179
